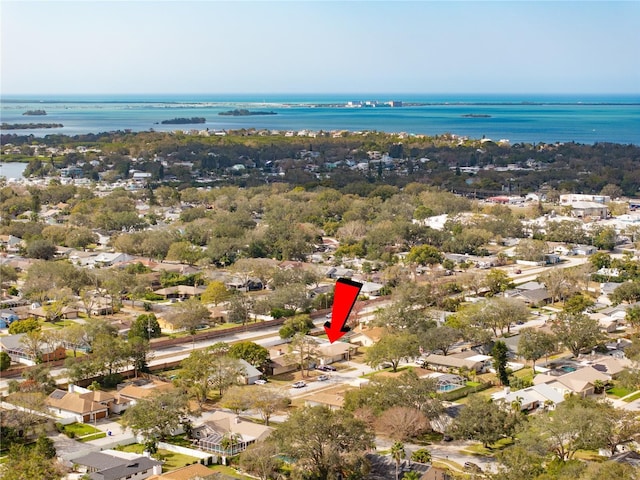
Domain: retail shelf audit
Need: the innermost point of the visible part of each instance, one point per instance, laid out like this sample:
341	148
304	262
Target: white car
260	381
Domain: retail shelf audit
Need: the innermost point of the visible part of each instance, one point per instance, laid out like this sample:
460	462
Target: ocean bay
529	119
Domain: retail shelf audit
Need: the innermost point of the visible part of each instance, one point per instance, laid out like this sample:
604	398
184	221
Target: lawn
619	391
79	430
229	471
94	436
633	397
479	449
171	460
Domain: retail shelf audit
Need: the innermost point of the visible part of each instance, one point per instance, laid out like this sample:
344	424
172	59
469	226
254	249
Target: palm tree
412	475
398	453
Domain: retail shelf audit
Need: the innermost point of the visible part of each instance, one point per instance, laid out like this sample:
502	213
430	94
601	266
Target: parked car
299	384
260	381
326	368
323	378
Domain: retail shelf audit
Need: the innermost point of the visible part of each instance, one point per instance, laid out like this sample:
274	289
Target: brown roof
374	333
190	472
136	392
226	422
73	402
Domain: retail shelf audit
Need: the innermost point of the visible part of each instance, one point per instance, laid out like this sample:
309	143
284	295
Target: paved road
445	451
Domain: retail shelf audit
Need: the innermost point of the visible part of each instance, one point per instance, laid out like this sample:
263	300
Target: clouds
268	46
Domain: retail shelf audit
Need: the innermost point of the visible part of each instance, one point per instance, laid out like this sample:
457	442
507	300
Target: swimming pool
568	368
447	388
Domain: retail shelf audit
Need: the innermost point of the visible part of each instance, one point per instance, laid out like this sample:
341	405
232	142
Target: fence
459	393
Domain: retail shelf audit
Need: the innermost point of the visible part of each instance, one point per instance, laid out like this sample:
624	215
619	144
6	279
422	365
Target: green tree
425	255
24	326
41	249
383	393
261	459
189	315
411	475
498	281
236	399
632	317
156	416
398	454
145	326
195	374
532	250
138	350
185	252
298	324
576	331
392	348
74	336
5	361
239	308
225	371
627	292
29	463
575	424
440	338
324	443
422	455
255	354
481	420
216	292
305	349
45	447
500	359
267	401
605	238
535	344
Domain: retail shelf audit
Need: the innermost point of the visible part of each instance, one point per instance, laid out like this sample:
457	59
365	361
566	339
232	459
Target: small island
476	115
23	126
184	121
244	113
34	112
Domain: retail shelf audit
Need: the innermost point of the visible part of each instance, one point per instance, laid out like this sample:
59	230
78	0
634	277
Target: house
142	388
538	297
580	382
108	466
371	288
366	336
280	362
339	272
584	250
7	317
445	363
196	471
19	353
329	353
531	398
226	434
251	373
83	405
180	291
333	401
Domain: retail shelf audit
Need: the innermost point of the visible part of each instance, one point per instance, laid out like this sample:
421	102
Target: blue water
12	170
518	118
447	388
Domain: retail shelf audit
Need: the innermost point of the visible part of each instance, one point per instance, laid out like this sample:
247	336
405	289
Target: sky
319	46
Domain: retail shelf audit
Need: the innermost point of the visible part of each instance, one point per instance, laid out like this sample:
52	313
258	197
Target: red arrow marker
344	297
